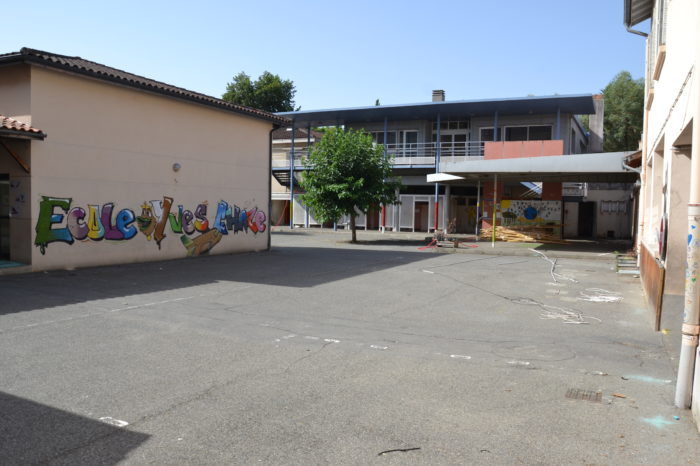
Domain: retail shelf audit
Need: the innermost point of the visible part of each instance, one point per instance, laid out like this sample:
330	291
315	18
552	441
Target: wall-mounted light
176	167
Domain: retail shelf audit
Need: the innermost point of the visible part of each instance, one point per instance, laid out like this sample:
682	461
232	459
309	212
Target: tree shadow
32	433
299	267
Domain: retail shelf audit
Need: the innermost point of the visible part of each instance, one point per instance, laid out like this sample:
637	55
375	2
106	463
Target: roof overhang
602	167
637	11
571	104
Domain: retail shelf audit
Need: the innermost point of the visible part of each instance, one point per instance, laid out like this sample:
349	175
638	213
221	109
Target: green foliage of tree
269	92
624	112
349	173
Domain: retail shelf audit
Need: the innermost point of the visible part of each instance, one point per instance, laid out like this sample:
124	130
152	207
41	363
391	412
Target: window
451	124
528	133
486	134
378	137
540	133
516	133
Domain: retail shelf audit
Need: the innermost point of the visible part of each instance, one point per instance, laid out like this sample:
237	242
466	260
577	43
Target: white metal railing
421	153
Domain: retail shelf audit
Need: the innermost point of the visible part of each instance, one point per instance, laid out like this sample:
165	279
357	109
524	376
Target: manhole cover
589	395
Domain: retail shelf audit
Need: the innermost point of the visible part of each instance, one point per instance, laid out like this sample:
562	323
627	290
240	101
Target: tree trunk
353	228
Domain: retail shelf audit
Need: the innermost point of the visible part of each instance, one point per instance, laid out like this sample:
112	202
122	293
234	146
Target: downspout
632	169
691	311
634	31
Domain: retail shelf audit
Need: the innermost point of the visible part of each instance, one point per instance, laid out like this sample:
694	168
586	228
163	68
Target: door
4	217
420	219
586	219
408	140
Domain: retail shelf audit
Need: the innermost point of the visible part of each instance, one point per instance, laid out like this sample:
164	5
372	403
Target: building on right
668	240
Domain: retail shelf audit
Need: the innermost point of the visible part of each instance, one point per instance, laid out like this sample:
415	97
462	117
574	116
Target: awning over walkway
606	167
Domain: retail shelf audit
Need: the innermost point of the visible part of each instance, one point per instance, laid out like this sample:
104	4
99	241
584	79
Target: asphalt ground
323	352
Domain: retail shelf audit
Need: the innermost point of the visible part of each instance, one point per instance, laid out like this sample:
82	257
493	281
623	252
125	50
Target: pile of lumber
523	234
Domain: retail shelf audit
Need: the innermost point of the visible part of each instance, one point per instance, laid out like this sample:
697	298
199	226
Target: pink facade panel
518	149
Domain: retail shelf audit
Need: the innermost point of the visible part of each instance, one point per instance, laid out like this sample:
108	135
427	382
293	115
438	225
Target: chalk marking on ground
94	314
114	422
459	356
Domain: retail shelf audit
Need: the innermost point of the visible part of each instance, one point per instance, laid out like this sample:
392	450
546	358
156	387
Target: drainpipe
691	311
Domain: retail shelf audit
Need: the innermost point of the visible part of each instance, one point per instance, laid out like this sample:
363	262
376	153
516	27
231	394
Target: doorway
420	219
4	216
586	219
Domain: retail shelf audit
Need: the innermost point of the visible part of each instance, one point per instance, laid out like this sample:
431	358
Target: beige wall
112	144
15	101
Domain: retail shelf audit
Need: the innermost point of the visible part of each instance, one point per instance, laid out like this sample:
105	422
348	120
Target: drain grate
589	395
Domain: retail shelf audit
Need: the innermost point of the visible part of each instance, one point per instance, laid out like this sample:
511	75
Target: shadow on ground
34	433
587	246
300	267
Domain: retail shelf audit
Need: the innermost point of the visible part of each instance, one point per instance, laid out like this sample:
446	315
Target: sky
344	54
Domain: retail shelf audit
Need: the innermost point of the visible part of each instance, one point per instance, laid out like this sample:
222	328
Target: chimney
438	95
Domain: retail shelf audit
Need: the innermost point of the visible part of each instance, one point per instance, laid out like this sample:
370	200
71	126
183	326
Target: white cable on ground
554	264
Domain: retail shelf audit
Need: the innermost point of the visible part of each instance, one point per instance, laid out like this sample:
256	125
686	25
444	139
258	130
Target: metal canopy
573	104
637	11
602	167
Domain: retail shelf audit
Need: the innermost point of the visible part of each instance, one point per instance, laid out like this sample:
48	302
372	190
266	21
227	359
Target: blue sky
345	54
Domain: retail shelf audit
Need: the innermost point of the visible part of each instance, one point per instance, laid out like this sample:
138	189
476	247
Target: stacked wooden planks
523	234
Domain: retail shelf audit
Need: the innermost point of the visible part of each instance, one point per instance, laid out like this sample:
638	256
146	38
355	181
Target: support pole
495	126
437	170
691	311
308	151
557	126
291	182
493	224
478	217
386	127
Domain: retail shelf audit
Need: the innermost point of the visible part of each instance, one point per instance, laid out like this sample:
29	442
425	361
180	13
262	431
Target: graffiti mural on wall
528	212
59	221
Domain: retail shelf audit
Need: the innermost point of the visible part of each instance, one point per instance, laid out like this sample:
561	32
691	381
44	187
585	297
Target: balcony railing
422	153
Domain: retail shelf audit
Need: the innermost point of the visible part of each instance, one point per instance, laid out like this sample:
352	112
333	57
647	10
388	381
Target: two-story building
426	136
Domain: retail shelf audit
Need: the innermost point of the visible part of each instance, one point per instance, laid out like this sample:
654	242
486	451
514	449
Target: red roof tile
96	70
10	124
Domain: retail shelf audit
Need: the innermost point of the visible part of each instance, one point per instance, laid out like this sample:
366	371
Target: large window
529	133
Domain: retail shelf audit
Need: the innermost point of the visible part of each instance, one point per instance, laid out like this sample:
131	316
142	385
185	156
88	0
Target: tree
349	173
624	112
269	92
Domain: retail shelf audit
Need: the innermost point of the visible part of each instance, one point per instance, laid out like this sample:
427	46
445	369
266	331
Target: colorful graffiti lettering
59	222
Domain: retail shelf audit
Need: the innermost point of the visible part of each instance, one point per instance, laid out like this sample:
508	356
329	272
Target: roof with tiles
8	124
96	70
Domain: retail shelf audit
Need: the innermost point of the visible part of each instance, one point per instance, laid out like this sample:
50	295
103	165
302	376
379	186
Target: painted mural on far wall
530	212
198	229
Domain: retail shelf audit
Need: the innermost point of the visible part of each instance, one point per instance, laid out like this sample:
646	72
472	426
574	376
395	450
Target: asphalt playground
324	352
